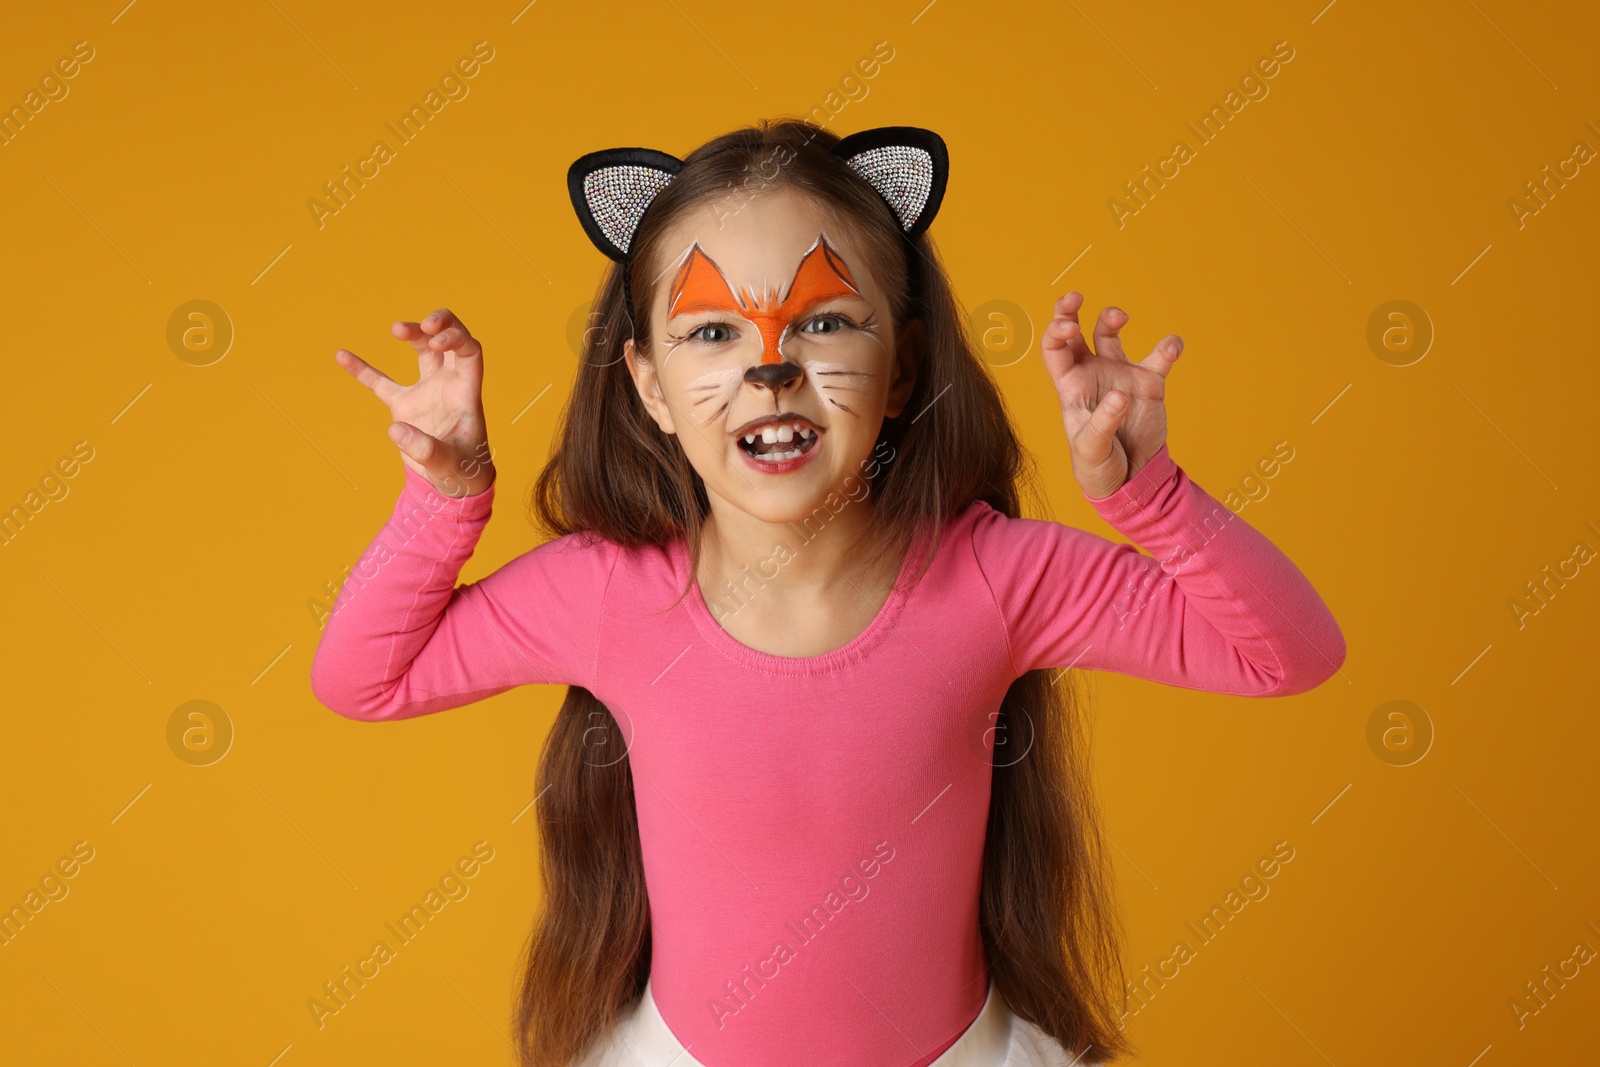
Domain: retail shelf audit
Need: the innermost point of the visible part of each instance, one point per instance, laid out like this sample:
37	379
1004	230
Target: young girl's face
775	360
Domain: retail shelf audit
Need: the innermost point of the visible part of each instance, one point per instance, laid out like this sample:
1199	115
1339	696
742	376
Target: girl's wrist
469	497
458	487
1138	488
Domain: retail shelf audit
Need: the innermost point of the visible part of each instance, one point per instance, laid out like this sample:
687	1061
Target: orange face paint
700	286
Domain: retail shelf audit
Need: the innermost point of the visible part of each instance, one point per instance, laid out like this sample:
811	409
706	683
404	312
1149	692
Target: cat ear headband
611	189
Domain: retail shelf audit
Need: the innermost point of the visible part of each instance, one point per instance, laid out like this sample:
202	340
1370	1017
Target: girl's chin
804	508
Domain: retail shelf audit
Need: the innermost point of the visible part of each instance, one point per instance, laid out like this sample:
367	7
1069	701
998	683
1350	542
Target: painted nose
773	376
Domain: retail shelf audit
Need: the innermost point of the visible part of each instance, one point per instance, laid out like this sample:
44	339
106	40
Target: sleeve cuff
1137	491
422	491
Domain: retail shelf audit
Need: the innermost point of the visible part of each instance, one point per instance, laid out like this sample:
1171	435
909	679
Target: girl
817	794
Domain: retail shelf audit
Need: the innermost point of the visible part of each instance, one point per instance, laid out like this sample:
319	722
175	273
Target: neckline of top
852	651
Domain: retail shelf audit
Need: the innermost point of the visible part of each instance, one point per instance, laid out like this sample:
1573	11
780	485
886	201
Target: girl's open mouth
777	442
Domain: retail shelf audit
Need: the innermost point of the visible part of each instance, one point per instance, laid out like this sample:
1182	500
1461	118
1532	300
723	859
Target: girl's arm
404	640
1214	606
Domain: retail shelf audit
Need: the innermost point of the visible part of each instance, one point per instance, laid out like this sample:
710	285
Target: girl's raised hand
438	422
1113	408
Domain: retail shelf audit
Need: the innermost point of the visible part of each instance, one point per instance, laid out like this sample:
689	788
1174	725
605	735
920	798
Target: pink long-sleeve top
813	827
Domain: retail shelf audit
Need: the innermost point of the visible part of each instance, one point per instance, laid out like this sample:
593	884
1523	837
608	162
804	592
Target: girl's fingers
421	335
1061	346
414	443
1106	341
412	331
1067	311
435	336
448	334
1095	438
1067	307
456	339
439	321
380	383
1165	353
1062	343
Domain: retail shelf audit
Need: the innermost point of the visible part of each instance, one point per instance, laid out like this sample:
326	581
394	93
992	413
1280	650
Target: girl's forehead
759	241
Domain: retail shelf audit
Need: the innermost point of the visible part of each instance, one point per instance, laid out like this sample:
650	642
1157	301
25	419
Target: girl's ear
908	353
649	387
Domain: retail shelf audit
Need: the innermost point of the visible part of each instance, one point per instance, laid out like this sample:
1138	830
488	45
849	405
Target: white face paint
714	387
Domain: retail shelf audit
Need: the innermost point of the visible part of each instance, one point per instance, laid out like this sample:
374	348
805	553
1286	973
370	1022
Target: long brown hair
1048	919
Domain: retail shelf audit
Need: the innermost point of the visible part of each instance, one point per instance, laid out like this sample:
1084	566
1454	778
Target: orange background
221	498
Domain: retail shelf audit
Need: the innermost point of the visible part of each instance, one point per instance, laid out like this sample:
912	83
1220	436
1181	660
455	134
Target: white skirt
996	1038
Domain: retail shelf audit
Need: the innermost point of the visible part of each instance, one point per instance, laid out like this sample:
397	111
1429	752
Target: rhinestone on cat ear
908	166
612	188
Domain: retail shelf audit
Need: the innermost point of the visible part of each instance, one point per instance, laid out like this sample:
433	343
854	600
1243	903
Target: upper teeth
773	433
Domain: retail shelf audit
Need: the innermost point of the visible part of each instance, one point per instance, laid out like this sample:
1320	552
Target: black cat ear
908	165
611	188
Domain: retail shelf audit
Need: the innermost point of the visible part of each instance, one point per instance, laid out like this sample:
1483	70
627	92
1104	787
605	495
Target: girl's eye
698	333
839	321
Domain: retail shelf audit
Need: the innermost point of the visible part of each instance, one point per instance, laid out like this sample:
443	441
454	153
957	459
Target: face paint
761	335
712	387
700	287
